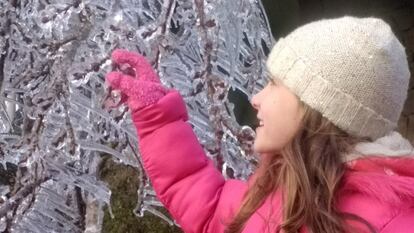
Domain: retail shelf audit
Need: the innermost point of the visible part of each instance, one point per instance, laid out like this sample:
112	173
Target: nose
255	101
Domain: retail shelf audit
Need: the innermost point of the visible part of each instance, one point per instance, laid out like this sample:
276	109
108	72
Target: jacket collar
391	145
383	169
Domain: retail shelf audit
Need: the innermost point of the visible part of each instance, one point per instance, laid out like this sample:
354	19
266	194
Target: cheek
290	119
281	126
270	139
272	136
281	131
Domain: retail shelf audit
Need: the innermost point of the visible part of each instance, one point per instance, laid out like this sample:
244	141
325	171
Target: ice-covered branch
53	126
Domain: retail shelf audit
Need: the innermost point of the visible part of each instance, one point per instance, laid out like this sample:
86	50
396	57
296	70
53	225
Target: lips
258	123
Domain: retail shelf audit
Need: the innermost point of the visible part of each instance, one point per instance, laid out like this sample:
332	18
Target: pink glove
140	91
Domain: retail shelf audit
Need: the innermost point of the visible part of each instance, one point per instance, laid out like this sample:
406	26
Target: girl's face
279	113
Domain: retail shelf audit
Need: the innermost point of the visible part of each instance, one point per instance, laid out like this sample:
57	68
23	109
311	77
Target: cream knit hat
352	70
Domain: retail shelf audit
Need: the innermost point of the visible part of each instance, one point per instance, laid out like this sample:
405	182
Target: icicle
53	122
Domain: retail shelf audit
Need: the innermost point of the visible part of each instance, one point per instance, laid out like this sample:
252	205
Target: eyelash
271	81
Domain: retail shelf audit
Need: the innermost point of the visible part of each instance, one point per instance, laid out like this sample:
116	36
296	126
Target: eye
271	82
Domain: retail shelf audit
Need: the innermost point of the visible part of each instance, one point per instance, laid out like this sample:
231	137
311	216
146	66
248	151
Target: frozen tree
54	118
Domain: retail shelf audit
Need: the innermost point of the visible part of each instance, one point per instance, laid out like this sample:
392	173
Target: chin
257	147
265	149
262	149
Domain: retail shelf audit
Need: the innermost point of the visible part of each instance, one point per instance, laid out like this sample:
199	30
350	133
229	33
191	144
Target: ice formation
53	124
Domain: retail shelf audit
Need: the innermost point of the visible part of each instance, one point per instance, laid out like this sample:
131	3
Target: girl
330	160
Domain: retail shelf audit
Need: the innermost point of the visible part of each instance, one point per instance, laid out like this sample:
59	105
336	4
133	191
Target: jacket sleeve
184	178
402	223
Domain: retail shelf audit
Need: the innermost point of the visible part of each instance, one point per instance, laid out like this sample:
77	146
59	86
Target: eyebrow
269	78
272	80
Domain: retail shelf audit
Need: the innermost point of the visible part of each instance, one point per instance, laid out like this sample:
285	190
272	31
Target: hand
142	89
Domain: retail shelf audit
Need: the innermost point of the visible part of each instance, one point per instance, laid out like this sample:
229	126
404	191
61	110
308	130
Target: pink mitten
142	90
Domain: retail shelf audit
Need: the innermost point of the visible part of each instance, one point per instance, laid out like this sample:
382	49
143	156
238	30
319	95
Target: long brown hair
309	171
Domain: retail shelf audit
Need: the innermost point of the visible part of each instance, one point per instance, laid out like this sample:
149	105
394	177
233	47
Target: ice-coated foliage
53	121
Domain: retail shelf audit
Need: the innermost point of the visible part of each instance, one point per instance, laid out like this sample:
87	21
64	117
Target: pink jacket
378	189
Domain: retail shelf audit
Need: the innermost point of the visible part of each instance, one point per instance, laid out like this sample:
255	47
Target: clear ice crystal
54	124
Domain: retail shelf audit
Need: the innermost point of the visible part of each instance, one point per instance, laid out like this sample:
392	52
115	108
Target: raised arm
185	180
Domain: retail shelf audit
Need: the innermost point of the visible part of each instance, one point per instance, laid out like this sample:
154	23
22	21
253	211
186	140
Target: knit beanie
354	71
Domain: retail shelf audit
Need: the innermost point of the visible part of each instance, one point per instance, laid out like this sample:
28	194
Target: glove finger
111	103
134	105
143	68
119	81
